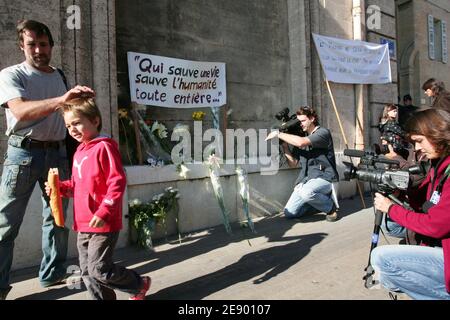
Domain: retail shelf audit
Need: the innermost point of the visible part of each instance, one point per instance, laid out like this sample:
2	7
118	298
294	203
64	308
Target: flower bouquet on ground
144	217
245	195
213	166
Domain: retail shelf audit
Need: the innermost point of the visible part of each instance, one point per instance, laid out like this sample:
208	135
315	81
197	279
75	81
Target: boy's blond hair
84	107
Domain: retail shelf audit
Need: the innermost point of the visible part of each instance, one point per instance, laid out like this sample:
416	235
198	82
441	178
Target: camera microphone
367	155
354	153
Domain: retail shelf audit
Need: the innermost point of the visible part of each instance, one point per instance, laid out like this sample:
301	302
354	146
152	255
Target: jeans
311	196
392	228
99	272
22	169
417	271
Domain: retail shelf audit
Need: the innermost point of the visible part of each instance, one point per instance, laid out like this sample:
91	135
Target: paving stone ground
304	259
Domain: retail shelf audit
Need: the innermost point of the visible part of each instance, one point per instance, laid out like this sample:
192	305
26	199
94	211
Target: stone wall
430	68
380	95
87	56
251	37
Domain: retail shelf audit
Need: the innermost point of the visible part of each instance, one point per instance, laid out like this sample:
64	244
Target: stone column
299	46
360	89
104	78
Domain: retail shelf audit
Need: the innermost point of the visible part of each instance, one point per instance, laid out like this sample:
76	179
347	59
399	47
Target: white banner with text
176	83
352	61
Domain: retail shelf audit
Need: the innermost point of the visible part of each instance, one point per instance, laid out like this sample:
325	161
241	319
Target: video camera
290	123
394	135
386	180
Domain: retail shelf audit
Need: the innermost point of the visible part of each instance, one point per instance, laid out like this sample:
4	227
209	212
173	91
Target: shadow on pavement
54	294
266	263
273	228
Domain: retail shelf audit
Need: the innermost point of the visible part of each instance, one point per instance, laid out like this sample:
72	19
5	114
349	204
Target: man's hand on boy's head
78	92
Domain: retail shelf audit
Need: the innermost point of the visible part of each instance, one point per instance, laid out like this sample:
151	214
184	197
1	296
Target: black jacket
442	101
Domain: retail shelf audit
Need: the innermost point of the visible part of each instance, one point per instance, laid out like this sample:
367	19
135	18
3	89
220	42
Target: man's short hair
407	97
309	112
39	28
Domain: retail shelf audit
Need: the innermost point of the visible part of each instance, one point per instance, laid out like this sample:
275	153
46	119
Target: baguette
55	197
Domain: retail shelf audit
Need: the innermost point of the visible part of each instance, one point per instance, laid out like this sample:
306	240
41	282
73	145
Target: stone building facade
271	64
266	45
422	46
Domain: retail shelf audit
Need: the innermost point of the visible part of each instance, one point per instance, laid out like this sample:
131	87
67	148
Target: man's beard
41	60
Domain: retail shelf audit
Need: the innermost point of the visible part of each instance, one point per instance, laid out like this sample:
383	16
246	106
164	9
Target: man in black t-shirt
406	110
315	154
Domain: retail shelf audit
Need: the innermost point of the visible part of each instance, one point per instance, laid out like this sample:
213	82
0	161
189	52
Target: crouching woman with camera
422	271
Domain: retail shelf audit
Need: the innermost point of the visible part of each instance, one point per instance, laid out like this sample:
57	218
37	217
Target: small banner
352	61
175	83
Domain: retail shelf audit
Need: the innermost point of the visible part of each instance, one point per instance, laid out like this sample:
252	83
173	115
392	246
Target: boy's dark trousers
99	272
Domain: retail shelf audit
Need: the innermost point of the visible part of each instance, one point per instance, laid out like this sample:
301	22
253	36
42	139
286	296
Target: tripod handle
378	219
368	277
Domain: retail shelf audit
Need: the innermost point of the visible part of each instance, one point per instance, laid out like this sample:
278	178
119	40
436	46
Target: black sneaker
393	296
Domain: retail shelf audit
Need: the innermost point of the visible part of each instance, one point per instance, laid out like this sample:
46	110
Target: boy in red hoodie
97	186
422	271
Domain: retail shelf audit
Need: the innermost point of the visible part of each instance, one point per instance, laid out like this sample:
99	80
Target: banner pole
337	113
343	135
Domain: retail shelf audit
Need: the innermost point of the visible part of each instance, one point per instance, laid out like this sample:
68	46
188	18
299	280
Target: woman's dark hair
309	112
434	124
435	86
39	28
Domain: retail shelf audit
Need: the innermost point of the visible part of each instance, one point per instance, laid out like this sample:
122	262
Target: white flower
135	202
162	134
152	162
160	129
158	197
213	161
183	171
155	126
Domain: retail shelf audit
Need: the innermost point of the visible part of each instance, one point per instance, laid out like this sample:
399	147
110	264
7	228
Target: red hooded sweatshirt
435	223
98	184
